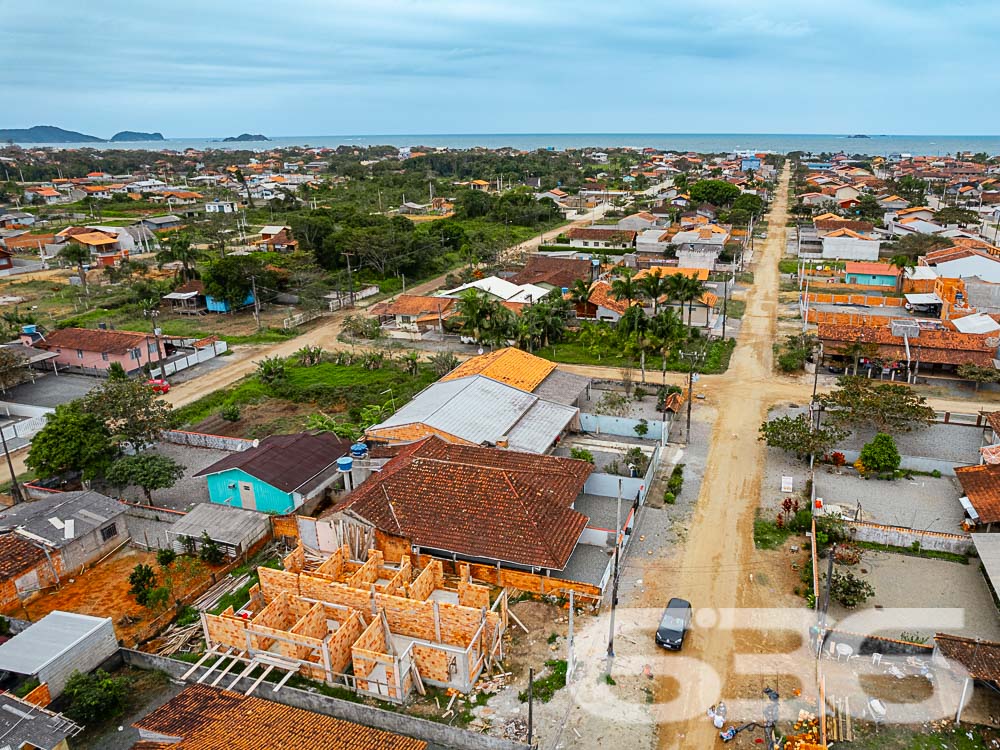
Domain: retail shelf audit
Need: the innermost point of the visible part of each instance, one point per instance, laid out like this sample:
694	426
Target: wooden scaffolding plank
237	658
250	668
282	681
216	665
208	655
260	679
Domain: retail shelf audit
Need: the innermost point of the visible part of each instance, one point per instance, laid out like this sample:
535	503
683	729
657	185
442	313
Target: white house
501	289
640	221
601	237
146	186
221	207
845	244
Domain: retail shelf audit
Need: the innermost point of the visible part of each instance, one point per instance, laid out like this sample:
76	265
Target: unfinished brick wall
368	573
432	663
295	561
392	547
399	580
430	578
285	526
275	582
40	696
335	593
333	566
226	630
367	653
473	595
343	639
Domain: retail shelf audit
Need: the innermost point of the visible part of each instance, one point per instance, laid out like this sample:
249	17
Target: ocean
874	145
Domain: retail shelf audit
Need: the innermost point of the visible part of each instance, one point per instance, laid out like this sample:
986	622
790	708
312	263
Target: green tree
178	248
95	698
231	278
850	590
71	440
484	319
579	293
955	215
271	370
142	580
860	402
797	435
146	470
443	362
12	368
868	209
903	263
978	374
653	286
880	454
752	204
210	552
130	411
79	256
116	371
716	192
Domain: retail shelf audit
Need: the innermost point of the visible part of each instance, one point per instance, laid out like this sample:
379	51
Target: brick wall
368	573
295	560
285	526
473	595
39	696
393	547
430	578
225	629
333	566
274	582
342	640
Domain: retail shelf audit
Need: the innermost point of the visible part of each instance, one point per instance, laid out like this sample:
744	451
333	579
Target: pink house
97	348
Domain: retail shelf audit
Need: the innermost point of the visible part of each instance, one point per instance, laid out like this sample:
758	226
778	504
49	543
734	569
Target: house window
152	347
109	532
104	356
586	244
135	354
79	353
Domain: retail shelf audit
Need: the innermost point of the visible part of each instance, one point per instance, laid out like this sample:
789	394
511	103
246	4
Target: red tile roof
931	347
477	502
981	484
412	304
600	295
559	272
872	269
981	659
854	226
604	235
206	718
17	554
94	340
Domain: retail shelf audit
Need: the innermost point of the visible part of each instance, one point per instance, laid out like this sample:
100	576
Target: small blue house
278	475
221	306
871	274
750	162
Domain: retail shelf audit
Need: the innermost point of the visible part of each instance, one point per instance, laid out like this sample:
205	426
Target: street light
392	398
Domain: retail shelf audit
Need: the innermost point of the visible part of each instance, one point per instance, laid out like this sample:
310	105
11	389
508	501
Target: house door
247	499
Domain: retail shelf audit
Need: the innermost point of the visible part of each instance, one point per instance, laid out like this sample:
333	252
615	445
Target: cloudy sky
331	67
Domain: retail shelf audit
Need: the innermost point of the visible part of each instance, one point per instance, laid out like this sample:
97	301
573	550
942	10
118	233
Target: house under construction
372	626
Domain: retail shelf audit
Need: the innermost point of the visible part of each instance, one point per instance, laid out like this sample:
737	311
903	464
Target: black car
674	624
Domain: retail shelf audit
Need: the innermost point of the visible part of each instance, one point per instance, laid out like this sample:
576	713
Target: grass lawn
734	308
571	352
331	388
918	738
767	535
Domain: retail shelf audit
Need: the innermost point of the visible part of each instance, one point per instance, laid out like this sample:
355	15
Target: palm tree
693	290
473	314
579	293
79	255
903	263
180	250
625	287
653	286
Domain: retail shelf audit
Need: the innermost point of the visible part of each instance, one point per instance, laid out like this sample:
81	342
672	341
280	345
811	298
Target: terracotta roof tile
981	659
94	340
207	718
509	365
931	347
412	304
17	554
981	484
600	294
874	269
478	502
559	272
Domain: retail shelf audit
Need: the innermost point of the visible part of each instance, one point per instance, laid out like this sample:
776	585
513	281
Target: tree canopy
129	410
71	440
231	278
860	403
148	471
796	435
716	192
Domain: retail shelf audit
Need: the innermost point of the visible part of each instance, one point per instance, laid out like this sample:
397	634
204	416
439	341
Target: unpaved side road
714	567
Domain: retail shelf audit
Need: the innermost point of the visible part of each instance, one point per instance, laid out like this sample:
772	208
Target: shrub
669	497
165	557
639	394
800	522
880	455
642	428
230	412
546	687
676	481
210	551
95	697
582	454
936	474
850	590
142	581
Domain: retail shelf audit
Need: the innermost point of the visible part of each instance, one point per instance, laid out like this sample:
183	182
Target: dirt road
720	537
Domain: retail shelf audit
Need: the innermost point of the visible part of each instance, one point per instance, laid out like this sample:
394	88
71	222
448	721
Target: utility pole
15	488
826	597
152	313
350	279
614	583
531	700
695	358
256	300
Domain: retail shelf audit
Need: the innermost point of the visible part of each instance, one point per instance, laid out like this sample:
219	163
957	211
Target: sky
330	67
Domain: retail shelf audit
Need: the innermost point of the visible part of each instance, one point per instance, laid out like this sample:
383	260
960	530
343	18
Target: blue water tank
345	464
29	329
359	450
565	290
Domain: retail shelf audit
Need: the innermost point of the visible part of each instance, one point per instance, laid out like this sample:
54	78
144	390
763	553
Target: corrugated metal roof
223	523
30	650
478	409
988	549
47	518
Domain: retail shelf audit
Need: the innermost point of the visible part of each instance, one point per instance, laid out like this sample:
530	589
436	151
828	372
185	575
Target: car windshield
669	622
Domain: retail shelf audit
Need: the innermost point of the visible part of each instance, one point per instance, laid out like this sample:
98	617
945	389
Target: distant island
46	134
860	135
133	135
245	137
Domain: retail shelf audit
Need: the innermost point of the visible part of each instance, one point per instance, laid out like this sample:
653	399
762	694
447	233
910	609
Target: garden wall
898	536
203	440
602	424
